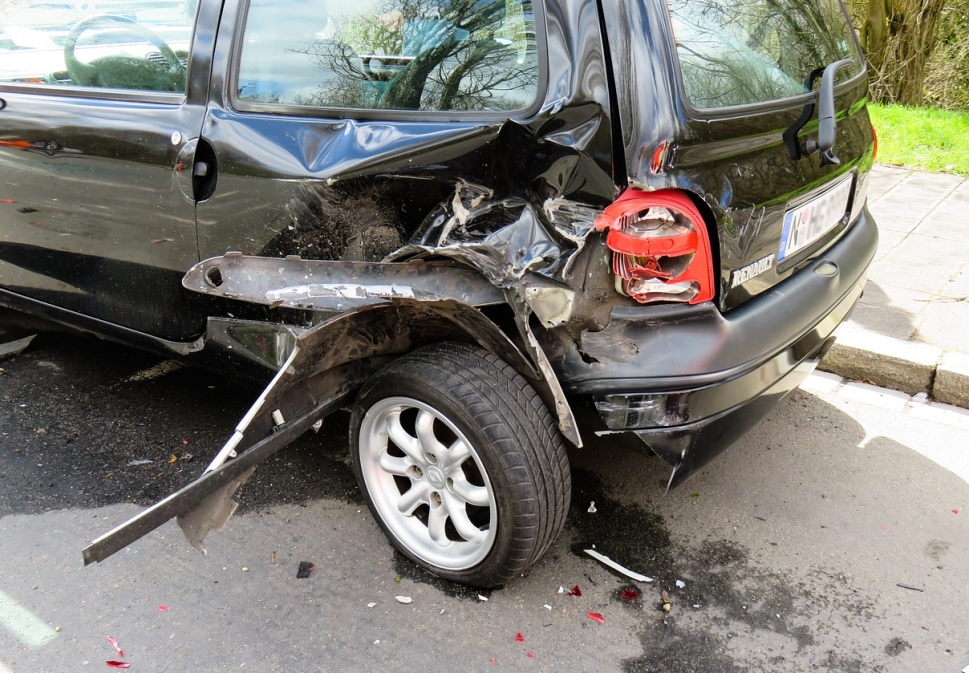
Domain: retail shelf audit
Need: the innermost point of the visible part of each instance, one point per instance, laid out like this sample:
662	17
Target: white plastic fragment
966	669
561	590
139	462
680	584
376	642
404	599
316	426
482	598
17	347
442	611
605	560
278	417
592	507
547	606
371	605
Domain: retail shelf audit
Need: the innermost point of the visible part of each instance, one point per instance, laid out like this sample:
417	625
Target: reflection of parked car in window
461	219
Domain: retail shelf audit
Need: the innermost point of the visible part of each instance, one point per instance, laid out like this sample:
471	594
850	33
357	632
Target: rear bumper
690	380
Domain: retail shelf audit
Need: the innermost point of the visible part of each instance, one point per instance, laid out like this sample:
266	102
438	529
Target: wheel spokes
425	434
459	517
394	465
418	494
437	525
456	454
403	439
468	492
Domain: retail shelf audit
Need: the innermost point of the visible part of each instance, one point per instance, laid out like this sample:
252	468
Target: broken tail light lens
660	247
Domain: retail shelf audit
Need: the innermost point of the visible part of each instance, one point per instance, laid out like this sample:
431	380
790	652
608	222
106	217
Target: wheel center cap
435	477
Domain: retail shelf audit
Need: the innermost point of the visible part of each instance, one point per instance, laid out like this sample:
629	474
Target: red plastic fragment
519	638
493	660
117	664
596	617
955	511
575	591
7	201
629	595
530	655
114	644
185	442
163	608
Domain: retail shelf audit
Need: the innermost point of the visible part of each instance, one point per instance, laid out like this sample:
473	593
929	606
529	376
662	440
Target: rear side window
754	51
462	55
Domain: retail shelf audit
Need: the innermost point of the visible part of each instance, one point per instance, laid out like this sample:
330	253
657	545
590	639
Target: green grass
926	139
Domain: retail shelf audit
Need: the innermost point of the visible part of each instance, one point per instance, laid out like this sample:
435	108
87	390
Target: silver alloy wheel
427	483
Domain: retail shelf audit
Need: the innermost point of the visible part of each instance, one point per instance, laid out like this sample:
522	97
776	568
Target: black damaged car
462	219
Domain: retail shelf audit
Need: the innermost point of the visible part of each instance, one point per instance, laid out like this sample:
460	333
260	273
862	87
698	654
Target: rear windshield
753	51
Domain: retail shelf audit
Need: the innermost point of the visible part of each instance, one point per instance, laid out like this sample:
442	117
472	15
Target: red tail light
661	251
874	147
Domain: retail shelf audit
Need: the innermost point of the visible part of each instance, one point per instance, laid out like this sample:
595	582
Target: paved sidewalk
910	330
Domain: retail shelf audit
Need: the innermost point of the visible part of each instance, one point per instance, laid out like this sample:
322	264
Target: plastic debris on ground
14	348
530	655
630	595
371	605
114	644
596	617
680	584
561	589
305	568
575	591
592	507
135	463
117	664
606	561
482	598
404	600
519	638
163	608
547	606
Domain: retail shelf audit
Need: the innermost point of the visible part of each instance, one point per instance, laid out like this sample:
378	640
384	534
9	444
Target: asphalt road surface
834	537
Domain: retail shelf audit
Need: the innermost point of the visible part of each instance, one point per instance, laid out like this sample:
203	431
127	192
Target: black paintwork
110	212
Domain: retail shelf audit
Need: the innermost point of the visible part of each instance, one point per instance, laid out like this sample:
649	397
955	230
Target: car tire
461	463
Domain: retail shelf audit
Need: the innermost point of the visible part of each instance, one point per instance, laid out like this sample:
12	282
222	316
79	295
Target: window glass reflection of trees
465	55
735	53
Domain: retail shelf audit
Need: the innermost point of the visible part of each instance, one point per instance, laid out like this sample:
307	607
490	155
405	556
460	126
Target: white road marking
23	624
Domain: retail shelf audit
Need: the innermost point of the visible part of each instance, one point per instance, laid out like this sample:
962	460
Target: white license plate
812	220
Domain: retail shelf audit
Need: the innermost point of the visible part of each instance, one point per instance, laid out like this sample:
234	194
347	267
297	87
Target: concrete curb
900	365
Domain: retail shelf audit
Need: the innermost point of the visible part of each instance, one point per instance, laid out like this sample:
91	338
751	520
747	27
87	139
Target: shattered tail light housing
660	247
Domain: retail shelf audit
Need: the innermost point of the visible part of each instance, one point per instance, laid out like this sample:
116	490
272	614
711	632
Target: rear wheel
461	463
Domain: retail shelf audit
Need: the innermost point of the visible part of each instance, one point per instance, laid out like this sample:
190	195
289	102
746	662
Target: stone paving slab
910	330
